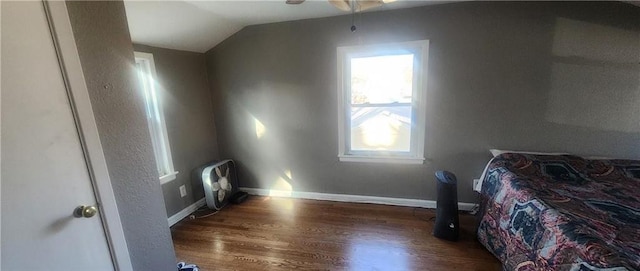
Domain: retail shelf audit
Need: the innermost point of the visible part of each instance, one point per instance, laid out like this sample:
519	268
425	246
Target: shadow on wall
265	153
595	79
282	185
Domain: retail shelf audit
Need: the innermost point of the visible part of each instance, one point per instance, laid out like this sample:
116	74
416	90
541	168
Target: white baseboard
185	212
463	206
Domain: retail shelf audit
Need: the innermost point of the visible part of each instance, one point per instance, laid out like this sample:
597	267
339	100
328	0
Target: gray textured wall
189	116
501	75
106	53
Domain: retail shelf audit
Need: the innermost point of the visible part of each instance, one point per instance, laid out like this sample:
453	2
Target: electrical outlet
183	191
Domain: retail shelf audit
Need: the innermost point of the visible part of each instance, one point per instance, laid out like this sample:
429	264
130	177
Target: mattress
561	212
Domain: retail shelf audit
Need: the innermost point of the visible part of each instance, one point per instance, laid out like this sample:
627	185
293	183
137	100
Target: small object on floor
182	266
239	197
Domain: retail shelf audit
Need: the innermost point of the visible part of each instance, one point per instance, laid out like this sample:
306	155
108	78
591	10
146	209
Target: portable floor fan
220	183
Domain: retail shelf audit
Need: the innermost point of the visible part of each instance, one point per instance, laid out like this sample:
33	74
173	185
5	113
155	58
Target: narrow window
155	116
382	110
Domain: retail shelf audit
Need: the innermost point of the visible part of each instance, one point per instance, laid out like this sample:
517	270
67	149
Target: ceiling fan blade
359	5
363	5
341	4
294	2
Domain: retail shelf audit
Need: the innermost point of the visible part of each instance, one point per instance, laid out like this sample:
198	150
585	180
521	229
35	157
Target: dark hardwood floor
267	233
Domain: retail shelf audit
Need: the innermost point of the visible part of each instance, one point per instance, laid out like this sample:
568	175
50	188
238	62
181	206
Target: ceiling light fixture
358	5
350	5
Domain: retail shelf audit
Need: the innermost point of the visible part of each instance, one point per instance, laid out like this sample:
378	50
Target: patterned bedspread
561	212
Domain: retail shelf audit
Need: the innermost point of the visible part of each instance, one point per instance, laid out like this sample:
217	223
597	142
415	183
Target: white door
44	173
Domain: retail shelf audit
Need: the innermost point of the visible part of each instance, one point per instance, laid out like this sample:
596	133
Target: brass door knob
85	211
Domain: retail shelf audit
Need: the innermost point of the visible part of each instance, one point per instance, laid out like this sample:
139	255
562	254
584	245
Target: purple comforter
561	212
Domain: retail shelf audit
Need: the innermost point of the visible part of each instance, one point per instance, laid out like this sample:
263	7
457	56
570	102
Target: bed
561	212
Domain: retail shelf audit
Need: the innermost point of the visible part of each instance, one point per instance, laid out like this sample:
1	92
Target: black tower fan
447	223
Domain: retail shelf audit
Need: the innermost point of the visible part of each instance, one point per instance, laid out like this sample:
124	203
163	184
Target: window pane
382	79
381	128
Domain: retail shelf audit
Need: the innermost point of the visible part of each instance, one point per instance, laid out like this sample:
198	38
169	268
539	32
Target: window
155	116
381	90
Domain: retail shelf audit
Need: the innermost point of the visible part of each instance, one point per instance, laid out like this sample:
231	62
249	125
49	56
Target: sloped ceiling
198	26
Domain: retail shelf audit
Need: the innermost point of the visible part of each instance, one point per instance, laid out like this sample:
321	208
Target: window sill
169	177
381	159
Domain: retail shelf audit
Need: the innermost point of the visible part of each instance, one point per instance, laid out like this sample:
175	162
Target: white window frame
158	128
420	50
